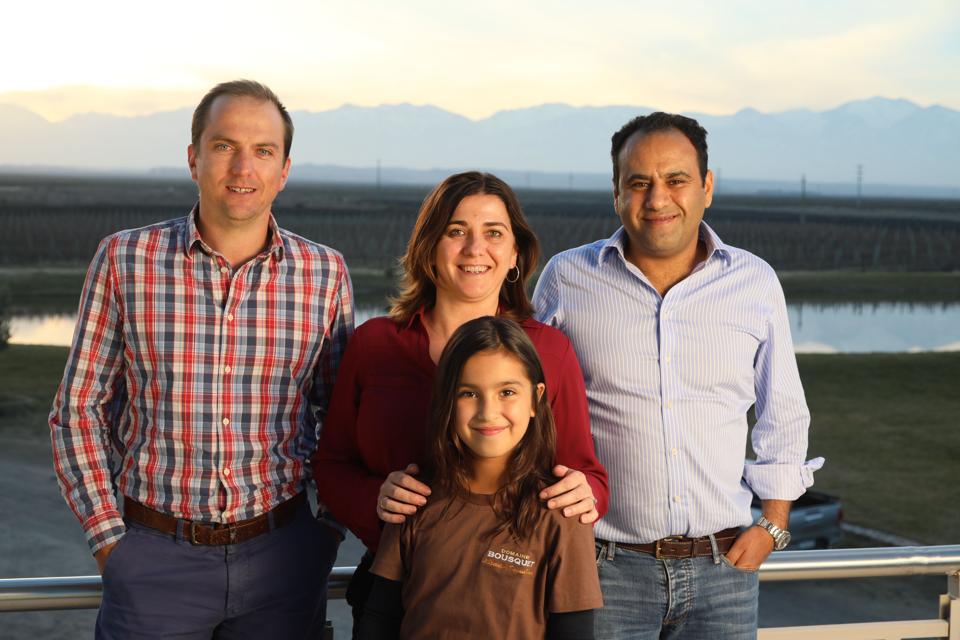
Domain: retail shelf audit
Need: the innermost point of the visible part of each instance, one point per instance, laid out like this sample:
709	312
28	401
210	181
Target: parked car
814	521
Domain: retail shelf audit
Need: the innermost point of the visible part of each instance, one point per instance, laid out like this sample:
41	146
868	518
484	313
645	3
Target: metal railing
83	592
868	563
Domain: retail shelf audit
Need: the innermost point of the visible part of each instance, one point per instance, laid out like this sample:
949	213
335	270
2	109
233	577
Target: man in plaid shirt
204	355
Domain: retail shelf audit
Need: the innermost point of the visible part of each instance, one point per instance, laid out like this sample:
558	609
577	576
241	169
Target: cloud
476	59
59	103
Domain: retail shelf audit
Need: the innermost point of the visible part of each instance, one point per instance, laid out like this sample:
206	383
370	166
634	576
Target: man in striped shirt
204	354
678	335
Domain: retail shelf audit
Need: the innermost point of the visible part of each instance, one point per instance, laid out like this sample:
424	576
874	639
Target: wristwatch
781	537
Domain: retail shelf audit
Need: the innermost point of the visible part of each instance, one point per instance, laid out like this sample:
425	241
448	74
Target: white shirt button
676	498
669	405
230	317
674	452
224	270
226	422
227	369
226	472
666	359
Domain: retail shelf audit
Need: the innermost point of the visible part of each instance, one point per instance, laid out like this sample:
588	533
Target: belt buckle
656	548
193	533
231	531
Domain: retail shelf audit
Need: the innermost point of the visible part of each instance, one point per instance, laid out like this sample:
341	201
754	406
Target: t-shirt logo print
509	560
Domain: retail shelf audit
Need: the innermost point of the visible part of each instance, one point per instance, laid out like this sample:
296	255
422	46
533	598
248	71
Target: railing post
950	605
953	592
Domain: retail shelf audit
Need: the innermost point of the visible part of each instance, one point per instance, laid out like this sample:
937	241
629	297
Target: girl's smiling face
494	404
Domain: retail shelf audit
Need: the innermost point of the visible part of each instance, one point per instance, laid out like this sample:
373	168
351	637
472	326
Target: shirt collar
614	243
192	237
275	245
714	244
416	317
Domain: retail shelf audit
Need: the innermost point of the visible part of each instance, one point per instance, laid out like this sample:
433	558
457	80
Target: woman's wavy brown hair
528	469
418	287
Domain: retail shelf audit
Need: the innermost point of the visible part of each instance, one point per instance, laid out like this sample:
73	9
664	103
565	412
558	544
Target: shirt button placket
668	385
228	337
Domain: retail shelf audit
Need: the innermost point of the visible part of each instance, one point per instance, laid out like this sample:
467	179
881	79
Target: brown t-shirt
460	583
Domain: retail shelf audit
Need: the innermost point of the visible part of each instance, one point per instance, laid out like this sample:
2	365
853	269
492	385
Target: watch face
783	540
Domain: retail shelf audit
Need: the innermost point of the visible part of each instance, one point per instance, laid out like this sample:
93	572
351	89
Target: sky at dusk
62	58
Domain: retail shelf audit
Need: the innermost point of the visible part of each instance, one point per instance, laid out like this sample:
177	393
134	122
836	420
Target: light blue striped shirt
670	381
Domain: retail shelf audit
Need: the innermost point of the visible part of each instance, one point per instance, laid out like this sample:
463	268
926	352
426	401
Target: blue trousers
273	586
702	598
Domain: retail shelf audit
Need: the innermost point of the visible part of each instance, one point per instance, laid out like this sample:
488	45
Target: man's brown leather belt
214	534
677	547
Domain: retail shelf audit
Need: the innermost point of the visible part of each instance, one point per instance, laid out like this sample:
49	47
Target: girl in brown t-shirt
485	558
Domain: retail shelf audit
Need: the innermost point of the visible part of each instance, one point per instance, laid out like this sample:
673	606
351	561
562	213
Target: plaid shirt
192	388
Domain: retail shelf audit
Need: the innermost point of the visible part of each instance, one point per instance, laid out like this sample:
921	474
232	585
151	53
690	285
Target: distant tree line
373	236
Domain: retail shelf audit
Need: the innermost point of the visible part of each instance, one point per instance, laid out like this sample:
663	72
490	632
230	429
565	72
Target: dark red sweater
378	413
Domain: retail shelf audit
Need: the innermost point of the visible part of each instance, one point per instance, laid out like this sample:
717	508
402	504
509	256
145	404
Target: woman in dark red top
470	255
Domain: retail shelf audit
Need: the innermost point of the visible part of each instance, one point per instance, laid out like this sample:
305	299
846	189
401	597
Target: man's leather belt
214	534
677	547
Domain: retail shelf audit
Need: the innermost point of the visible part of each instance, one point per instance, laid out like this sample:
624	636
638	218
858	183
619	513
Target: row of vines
34	235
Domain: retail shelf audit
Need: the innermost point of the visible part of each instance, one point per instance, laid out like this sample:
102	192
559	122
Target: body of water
56	329
827	328
892	327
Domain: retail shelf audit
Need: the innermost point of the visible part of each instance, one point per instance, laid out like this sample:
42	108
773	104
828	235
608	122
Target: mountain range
895	141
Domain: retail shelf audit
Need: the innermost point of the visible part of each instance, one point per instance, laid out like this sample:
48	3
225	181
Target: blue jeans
273	586
702	598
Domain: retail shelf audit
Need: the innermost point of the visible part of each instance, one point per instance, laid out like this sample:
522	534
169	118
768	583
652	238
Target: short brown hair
660	121
418	289
240	89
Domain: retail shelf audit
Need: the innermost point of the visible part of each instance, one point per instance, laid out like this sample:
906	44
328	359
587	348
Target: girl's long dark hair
529	467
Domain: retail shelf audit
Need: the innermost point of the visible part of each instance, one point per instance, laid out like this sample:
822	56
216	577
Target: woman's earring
516	277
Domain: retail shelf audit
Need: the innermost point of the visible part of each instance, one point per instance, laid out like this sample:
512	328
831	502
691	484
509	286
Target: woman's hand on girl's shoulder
401	495
572	494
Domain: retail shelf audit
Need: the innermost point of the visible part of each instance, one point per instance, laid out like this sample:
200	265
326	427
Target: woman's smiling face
476	251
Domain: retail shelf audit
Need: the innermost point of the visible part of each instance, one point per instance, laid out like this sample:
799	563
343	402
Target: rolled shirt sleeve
780	435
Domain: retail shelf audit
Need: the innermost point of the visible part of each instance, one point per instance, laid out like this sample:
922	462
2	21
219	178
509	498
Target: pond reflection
56	329
874	327
816	328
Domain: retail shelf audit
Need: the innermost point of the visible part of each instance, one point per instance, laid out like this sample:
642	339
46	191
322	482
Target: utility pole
859	185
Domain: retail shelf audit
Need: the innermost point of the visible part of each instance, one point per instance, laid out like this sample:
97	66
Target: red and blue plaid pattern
192	388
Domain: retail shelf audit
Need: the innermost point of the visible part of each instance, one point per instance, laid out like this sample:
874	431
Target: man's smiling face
239	166
660	196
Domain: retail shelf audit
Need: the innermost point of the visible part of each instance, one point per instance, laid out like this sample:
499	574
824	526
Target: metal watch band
781	537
